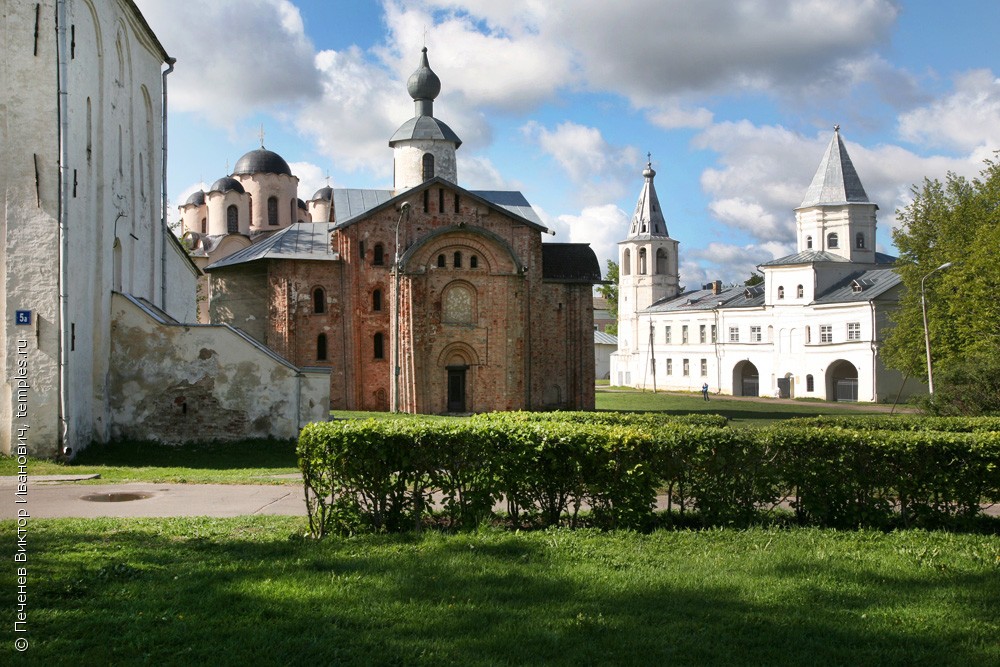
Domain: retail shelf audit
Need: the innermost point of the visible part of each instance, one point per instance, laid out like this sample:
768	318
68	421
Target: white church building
811	329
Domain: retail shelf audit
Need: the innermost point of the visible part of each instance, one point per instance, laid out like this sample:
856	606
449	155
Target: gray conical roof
648	219
836	181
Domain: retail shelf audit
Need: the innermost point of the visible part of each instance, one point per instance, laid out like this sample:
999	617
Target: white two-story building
811	329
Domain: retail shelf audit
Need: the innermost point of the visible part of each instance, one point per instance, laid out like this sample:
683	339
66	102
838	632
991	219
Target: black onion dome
197	198
262	161
302	204
325	194
227	184
423	84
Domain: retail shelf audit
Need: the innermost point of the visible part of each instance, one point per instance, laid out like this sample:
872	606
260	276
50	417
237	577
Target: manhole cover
121	497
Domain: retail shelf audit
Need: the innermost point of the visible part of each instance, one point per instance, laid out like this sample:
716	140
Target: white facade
812	329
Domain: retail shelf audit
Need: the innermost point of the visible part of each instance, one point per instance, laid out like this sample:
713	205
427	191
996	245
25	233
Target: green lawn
250	591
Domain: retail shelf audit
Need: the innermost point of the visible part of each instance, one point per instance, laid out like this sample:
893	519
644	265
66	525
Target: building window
826	333
642	261
809	243
755	335
702	334
458	304
378	346
204	225
474	262
427	201
667	334
662	266
441	200
441	261
458	208
272	210
781	292
832	240
377	300
734	334
626	267
378	258
859	241
715	334
427	167
687	368
321	347
670	366
361	249
809	383
684	334
232	219
799	292
704	367
319	300
854	331
457	260
808	335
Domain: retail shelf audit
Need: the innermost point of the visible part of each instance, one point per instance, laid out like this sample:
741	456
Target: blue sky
562	100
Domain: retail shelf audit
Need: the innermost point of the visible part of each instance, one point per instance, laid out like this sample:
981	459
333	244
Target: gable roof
815	256
863	286
570	263
302	240
359	204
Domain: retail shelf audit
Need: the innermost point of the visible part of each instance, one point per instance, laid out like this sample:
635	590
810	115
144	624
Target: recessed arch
458	303
842	381
746	379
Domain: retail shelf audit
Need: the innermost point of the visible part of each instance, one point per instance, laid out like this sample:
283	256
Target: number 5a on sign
22	317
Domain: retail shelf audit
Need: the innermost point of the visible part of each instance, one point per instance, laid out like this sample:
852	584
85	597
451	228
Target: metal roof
303	240
570	263
705	299
425	127
602	338
647	220
863	286
349	203
812	256
836	181
262	161
512	201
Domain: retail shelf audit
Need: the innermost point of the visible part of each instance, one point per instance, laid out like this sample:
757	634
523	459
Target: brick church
427	298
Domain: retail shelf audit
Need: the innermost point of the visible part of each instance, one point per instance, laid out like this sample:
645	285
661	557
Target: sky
563	100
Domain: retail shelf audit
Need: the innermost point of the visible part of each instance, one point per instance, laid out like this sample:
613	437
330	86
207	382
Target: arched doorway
746	380
786	386
458	360
842	381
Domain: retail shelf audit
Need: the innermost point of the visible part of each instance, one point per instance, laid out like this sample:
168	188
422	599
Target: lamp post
927	336
404	209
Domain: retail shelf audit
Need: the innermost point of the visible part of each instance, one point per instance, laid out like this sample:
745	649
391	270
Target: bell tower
647	263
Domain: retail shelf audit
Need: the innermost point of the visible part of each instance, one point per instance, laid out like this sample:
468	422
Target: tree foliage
756	278
610	292
956	221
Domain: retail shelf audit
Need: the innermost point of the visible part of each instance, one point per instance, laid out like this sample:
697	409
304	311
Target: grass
250	590
247	462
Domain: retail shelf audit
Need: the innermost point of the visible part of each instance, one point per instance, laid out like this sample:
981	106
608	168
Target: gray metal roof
647	220
863	286
303	240
512	201
705	299
262	161
836	181
602	338
349	203
570	263
225	184
812	256
425	127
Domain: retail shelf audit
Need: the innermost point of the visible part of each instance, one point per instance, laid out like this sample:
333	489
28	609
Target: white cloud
311	178
967	120
234	57
601	226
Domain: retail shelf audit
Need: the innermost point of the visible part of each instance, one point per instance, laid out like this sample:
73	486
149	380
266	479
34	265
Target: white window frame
667	334
734	334
826	333
704	368
687	367
756	335
854	331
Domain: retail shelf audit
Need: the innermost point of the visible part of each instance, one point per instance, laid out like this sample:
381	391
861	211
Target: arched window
626	267
832	240
379	255
642	261
808	335
272	210
427	167
810	385
378	346
473	262
781	292
457	260
799	292
204	225
441	261
377	300
321	347
809	243
319	300
232	219
859	240
662	267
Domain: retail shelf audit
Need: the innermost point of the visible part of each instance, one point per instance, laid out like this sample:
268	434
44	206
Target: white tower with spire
836	215
647	265
423	147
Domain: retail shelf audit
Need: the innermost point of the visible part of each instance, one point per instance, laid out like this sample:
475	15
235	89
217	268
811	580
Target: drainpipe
163	191
874	345
64	194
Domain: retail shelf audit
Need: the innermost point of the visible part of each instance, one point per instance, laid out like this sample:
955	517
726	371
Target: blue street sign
22	317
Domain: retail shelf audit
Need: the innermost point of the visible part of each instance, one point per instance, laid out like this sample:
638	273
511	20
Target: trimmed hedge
378	475
903	423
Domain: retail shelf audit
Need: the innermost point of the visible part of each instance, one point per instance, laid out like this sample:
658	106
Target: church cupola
836	216
647	261
423	147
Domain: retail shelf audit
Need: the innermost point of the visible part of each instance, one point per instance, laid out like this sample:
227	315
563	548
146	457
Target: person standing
704	391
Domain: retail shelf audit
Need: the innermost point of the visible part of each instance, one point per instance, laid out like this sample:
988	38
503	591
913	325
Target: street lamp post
404	209
927	336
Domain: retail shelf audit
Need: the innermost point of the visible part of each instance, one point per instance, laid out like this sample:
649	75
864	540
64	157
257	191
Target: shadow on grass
209	456
129	593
